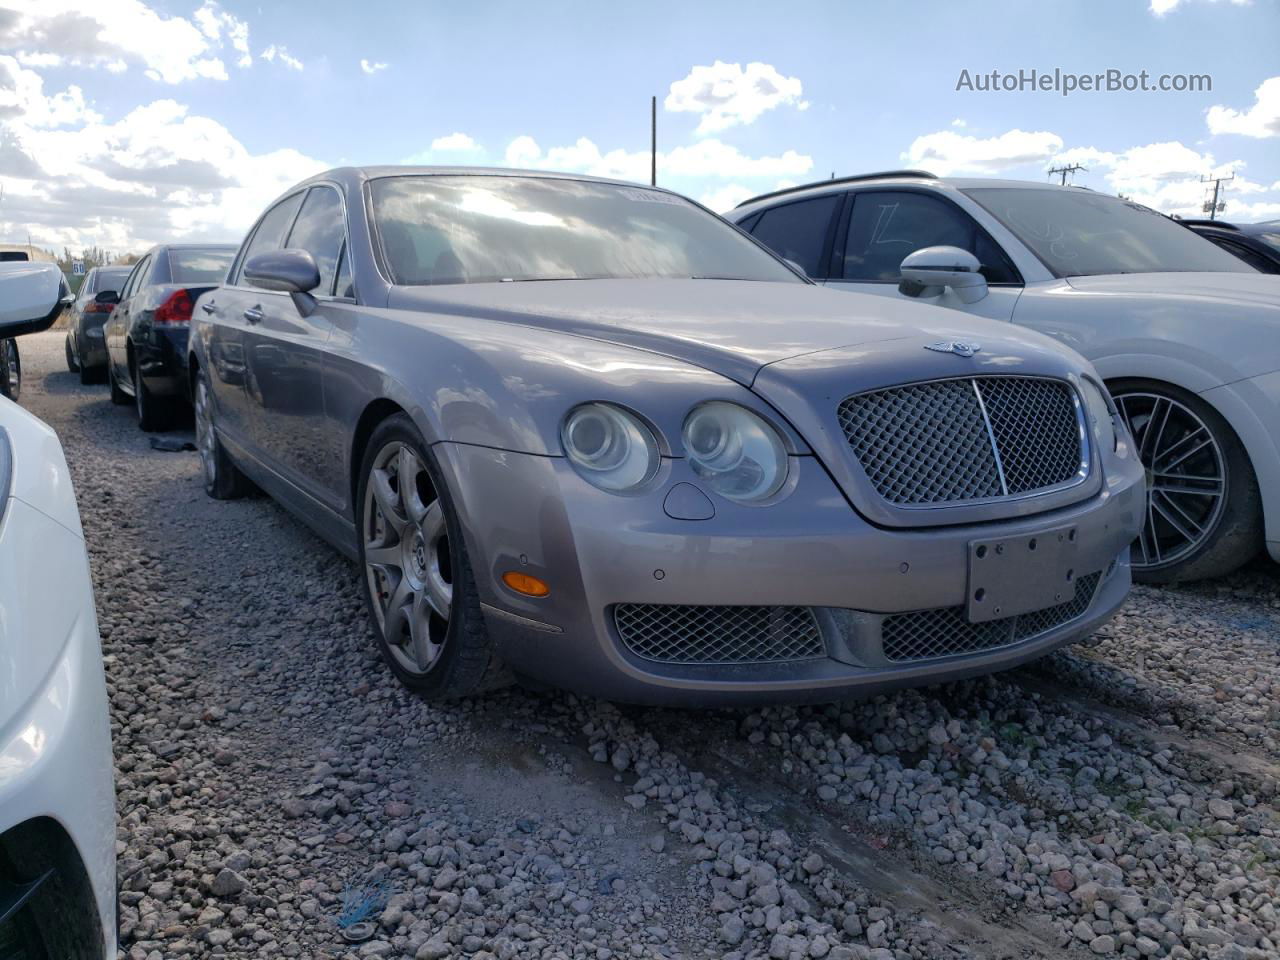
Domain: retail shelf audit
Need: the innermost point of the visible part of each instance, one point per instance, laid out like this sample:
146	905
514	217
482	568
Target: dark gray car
588	433
86	346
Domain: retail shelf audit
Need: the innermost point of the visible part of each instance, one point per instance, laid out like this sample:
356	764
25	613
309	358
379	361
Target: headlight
609	447
1104	427
736	453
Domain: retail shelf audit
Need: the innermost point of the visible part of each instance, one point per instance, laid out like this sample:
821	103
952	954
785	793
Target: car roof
890	177
356	176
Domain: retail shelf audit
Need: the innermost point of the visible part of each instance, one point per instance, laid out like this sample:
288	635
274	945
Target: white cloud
1260	120
22	97
215	23
724	199
706	158
114	33
1161	7
726	94
455	143
960	123
947	153
277	52
159	173
371	66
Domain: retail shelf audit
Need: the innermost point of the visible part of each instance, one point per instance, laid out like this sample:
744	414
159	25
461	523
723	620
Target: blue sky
128	122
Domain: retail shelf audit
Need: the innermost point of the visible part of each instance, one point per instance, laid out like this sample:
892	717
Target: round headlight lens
1104	427
735	452
609	447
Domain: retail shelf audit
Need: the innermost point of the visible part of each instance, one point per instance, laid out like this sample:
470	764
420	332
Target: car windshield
480	229
112	279
1270	234
199	265
1077	233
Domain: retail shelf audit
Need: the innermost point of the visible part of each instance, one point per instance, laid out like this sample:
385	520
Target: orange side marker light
524	583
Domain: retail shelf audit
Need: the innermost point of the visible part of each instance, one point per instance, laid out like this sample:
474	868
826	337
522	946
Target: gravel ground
277	787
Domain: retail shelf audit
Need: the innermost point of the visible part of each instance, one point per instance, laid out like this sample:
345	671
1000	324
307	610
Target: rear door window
320	230
798	231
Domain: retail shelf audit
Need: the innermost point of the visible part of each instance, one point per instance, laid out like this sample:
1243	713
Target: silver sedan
590	434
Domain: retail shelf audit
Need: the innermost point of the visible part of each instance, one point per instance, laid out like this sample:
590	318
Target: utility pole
653	141
1064	170
1213	207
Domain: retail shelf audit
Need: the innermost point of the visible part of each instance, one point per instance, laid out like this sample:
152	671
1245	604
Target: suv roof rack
881	175
1222	224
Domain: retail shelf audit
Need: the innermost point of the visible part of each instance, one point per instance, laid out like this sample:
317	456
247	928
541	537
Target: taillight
94	307
177	309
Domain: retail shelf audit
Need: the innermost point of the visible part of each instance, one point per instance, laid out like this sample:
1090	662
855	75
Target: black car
146	334
1257	244
86	344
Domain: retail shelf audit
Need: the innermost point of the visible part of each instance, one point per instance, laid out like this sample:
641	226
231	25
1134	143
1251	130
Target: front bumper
55	746
810	550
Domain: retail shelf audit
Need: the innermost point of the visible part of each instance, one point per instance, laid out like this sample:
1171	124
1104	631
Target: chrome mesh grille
678	633
1036	429
945	632
975	438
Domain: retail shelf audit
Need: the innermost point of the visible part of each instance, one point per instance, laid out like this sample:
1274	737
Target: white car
1186	335
57	802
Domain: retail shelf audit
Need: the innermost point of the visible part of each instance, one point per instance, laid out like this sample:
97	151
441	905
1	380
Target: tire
439	645
1204	510
222	478
153	413
72	363
10	370
118	396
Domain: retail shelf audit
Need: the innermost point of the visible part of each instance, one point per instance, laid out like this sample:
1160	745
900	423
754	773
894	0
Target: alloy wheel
204	433
13	369
407	558
1186	477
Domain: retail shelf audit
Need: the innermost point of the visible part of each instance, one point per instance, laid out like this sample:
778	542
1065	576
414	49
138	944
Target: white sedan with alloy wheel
1186	335
57	803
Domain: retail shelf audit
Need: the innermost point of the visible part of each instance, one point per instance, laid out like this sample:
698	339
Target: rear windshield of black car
194	265
109	280
483	229
1078	233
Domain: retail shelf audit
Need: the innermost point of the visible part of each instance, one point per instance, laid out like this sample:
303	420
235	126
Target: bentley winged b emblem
960	348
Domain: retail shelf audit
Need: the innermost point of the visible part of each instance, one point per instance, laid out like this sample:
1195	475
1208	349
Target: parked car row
129	327
683	465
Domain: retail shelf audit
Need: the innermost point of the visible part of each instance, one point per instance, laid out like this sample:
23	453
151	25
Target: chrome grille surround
946	632
690	634
968	439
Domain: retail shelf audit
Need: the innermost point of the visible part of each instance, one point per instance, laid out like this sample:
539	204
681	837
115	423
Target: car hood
734	327
1254	289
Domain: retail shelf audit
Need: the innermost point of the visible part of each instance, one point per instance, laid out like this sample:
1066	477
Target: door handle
253	315
207	307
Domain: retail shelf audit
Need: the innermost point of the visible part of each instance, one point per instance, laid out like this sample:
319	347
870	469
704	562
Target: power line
1213	207
1067	170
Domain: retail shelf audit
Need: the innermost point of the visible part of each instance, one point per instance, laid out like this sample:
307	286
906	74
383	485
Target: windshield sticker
652	196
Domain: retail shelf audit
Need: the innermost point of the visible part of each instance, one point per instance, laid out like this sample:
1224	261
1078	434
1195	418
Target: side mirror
929	271
31	297
109	297
288	271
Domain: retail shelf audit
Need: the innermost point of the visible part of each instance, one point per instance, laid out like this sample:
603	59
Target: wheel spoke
388	502
1173	521
1165	465
407	469
381	555
424	649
